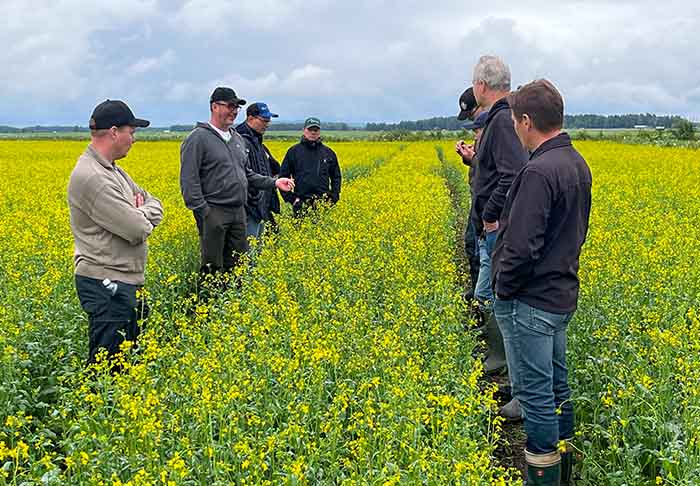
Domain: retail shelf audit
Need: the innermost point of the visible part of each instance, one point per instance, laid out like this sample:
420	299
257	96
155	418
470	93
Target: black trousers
222	238
113	315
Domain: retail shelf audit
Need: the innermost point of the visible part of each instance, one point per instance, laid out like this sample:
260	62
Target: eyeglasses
230	106
264	120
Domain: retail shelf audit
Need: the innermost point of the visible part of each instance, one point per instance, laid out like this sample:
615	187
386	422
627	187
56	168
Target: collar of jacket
206	126
498	106
311	143
561	140
98	157
247	131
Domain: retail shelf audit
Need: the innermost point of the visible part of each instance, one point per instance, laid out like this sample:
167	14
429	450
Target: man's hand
284	184
465	151
489	227
138	200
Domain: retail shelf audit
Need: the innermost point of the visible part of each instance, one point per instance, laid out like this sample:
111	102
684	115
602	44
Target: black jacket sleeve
288	169
524	238
336	178
509	157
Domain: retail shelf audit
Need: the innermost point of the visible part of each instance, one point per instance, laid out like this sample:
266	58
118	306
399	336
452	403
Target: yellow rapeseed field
343	357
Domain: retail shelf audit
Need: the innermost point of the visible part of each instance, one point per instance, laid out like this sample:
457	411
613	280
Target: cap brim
313	125
239	101
138	122
463	115
274	115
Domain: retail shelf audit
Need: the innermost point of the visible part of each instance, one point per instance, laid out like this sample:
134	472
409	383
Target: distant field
167	135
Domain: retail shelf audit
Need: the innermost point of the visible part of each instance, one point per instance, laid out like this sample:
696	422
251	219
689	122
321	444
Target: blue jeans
535	342
483	292
254	228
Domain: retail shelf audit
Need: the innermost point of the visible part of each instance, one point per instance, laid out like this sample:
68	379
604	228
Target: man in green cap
314	168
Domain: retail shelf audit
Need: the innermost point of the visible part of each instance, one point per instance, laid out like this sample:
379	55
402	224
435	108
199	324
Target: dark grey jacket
500	156
213	171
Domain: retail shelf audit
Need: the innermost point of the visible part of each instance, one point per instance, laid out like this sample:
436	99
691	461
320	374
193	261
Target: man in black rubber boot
535	274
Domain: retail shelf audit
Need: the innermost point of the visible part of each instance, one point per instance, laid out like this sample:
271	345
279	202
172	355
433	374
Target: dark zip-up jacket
261	203
500	157
315	170
213	171
543	226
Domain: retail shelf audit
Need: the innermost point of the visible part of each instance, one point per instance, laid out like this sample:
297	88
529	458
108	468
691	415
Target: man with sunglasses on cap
111	218
261	203
314	167
214	180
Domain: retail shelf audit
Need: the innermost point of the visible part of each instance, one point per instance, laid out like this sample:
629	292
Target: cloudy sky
347	61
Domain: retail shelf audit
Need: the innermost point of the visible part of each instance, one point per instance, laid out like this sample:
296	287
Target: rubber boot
568	459
543	469
495	361
512	411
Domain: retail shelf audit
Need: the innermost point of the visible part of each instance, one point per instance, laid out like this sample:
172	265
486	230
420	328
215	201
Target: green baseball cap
312	122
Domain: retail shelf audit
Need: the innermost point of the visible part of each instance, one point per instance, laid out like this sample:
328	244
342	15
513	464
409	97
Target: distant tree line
428	124
570	121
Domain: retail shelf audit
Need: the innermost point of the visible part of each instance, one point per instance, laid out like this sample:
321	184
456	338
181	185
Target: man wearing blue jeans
500	156
535	276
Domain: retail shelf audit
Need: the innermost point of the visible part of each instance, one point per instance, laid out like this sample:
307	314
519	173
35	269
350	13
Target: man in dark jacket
535	275
500	157
261	203
214	180
314	168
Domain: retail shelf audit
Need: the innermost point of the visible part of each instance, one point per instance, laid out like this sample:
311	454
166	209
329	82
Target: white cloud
149	64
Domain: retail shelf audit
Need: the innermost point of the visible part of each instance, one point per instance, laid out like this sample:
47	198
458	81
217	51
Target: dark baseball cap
467	104
114	113
260	109
479	121
226	95
312	122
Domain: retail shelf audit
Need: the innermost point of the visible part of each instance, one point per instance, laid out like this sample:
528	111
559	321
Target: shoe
512	411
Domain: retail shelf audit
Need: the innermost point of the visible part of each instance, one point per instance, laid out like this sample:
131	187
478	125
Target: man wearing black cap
261	203
314	167
468	155
214	180
467	109
111	217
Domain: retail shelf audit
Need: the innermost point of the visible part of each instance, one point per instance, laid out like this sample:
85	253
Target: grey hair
493	72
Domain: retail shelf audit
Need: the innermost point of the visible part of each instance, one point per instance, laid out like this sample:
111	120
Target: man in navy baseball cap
261	110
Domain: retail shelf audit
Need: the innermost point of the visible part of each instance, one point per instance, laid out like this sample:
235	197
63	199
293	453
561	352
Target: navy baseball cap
260	109
479	121
114	113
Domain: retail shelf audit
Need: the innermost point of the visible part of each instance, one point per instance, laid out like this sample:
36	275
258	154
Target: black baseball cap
226	95
114	113
312	122
467	104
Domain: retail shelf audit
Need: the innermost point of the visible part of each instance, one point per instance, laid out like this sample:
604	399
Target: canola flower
346	364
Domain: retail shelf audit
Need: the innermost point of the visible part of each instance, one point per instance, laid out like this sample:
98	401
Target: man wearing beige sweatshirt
111	217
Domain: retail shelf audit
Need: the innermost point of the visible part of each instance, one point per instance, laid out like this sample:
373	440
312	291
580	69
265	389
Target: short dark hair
542	102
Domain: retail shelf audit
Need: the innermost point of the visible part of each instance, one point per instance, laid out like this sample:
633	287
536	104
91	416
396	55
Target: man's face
123	138
258	123
479	88
224	113
312	133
